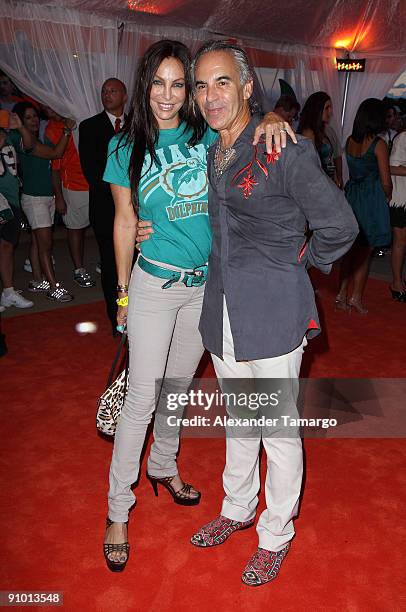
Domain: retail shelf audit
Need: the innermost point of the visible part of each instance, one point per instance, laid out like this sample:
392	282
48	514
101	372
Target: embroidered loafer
263	566
218	531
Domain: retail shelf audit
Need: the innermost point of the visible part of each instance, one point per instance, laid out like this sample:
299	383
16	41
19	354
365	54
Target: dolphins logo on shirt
185	180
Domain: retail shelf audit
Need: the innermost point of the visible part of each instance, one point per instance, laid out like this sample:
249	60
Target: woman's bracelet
122	301
122	288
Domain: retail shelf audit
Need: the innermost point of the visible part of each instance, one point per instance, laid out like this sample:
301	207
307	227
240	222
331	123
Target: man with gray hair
259	306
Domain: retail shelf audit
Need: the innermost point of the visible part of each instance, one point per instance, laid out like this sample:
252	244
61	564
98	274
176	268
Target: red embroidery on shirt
249	180
247	184
302	251
261	165
272	158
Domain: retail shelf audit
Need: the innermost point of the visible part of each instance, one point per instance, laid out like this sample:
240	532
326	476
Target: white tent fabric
373	25
61	51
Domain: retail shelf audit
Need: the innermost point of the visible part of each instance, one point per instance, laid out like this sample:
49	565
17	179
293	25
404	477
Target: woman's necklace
222	158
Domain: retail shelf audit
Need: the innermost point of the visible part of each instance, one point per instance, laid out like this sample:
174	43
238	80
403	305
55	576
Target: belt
191	278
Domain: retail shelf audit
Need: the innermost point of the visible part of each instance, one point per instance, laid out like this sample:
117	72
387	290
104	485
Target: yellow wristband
122	301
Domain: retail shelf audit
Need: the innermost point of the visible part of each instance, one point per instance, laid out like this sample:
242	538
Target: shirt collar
113	119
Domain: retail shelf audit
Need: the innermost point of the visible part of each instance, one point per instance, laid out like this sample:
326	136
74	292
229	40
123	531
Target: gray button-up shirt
259	213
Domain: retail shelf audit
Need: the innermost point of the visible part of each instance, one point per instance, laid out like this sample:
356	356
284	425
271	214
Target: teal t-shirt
172	194
9	181
35	171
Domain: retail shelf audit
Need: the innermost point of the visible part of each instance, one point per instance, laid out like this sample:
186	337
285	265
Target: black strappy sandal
115	566
181	497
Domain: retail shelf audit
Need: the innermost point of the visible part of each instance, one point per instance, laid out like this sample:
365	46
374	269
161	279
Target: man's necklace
222	159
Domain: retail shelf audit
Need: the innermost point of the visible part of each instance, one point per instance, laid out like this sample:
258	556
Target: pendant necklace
222	159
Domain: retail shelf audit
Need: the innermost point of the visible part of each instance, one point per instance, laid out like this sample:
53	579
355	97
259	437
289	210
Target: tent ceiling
376	25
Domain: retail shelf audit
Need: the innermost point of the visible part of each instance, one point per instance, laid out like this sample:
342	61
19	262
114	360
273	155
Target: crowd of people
223	215
43	172
34	189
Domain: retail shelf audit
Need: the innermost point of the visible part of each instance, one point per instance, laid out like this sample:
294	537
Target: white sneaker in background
11	297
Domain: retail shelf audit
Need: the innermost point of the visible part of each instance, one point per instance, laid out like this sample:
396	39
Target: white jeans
164	341
241	479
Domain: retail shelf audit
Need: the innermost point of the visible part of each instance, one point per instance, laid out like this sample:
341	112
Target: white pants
164	341
39	210
241	479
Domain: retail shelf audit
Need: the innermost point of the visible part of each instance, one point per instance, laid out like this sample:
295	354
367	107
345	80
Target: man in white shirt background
94	136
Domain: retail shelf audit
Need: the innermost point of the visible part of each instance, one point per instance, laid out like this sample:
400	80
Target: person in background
71	196
314	119
397	211
95	134
4	221
37	199
10	230
337	153
9	95
392	125
368	191
288	108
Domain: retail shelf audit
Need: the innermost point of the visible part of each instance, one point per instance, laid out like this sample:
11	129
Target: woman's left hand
122	312
275	130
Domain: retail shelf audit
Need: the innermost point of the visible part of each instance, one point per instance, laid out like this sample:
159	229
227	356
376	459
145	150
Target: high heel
399	296
181	497
115	566
340	303
358	306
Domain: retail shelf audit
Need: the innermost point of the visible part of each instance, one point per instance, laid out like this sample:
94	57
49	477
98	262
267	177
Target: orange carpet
349	551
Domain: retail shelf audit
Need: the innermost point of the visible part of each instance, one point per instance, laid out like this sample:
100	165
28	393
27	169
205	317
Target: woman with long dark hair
314	124
368	190
158	171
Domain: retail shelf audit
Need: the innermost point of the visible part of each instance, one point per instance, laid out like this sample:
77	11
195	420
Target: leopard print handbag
111	401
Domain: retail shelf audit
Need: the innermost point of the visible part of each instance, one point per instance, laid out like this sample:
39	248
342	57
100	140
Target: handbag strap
123	343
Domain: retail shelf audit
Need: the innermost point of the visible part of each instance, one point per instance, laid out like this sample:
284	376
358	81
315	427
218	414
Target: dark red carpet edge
349	549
